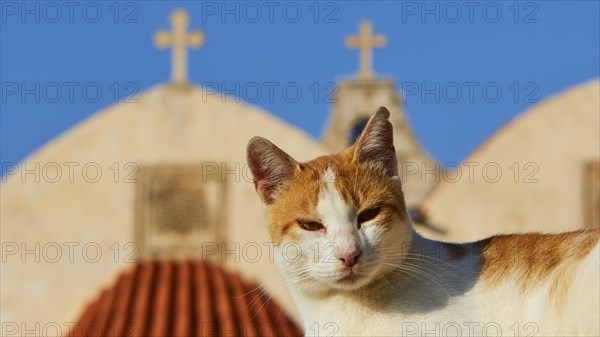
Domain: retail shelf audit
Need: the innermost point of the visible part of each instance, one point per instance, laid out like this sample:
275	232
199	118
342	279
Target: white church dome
87	194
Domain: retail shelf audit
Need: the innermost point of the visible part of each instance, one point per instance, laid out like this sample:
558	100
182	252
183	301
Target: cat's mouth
350	277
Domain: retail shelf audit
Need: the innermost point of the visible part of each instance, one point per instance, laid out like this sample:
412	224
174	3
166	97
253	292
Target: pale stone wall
167	126
552	143
357	100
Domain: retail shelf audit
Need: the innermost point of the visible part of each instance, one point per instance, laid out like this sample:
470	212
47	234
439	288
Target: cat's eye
367	215
312	226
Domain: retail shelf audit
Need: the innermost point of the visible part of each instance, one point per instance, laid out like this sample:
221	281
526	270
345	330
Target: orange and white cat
358	267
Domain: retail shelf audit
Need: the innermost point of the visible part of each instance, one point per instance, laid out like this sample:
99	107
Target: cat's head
339	221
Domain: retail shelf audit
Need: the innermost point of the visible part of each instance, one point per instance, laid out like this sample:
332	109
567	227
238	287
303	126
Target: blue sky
466	68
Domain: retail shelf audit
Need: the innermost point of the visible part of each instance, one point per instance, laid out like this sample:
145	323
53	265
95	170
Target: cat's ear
376	142
270	167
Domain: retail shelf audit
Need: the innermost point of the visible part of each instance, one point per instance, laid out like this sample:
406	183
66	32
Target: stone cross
365	42
179	40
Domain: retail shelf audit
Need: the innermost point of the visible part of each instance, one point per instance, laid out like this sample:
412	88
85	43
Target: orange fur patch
537	258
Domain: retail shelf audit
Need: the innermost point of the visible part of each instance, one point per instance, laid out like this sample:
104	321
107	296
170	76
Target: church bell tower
358	98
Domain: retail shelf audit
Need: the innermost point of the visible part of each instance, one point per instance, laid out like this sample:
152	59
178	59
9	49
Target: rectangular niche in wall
177	209
591	197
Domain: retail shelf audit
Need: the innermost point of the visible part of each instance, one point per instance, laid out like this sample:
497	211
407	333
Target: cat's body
363	271
453	294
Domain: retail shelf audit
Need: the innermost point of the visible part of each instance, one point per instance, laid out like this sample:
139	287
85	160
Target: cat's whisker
259	287
427	276
395	254
250	304
420	269
434	264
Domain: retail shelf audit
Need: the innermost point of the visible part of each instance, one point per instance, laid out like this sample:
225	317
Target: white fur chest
339	316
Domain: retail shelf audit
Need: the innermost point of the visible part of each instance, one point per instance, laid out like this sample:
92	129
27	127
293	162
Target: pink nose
349	259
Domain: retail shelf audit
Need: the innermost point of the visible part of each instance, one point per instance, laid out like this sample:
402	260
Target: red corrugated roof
183	298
